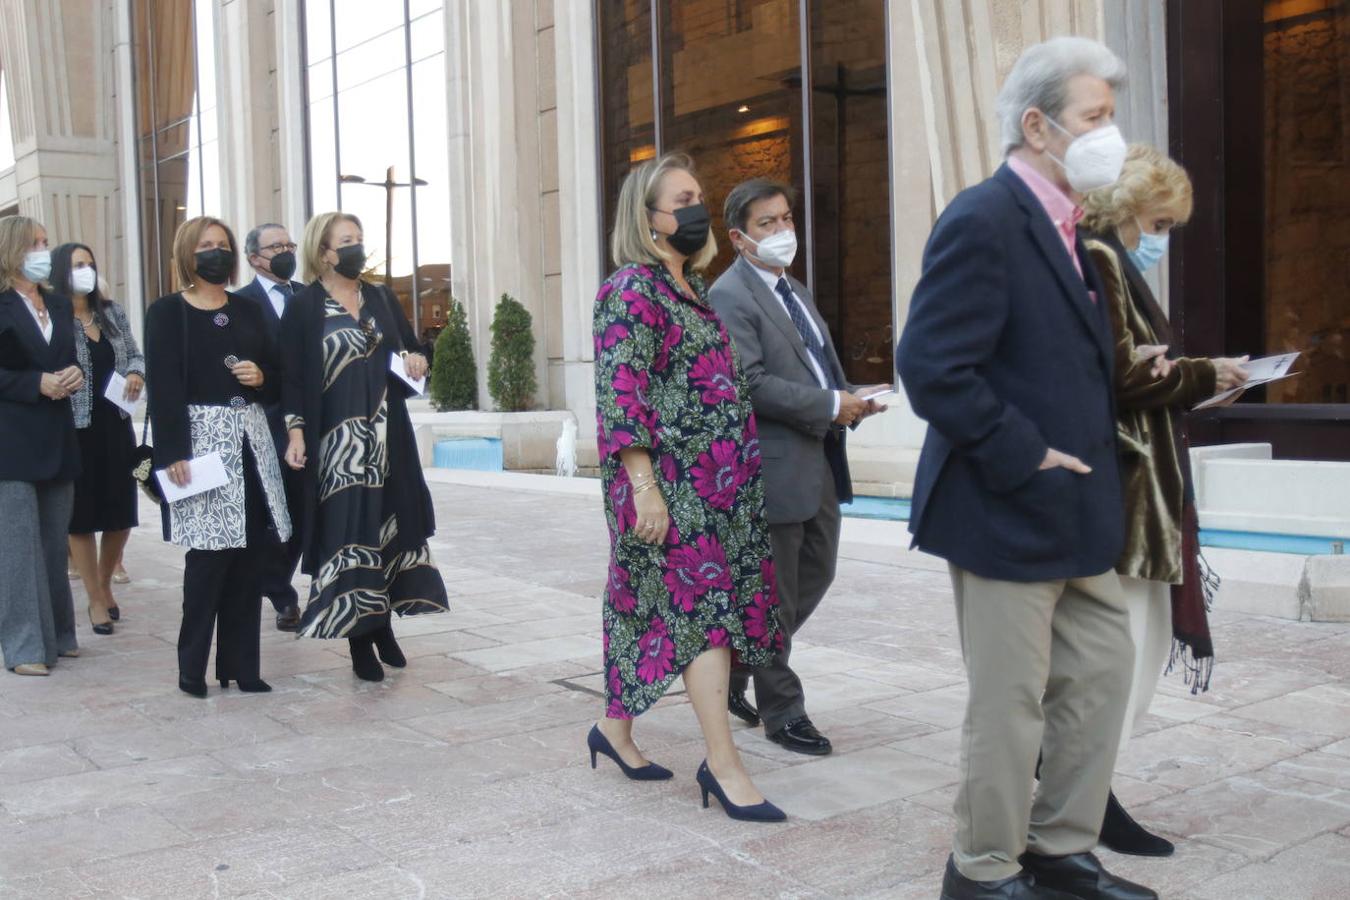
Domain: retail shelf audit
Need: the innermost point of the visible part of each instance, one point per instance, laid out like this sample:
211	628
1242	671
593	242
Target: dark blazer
255	292
1005	354
302	395
793	412
37	435
167	370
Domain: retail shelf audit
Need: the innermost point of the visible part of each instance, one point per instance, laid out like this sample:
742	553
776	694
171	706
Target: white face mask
777	250
37	265
1094	159
83	281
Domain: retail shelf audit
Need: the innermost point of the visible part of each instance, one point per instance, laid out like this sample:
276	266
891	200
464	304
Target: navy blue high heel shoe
760	812
598	743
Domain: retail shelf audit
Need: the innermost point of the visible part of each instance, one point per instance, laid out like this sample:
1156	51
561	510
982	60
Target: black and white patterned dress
365	567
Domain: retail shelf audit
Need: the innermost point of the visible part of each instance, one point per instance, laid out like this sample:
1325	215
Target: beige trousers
1049	666
1150	607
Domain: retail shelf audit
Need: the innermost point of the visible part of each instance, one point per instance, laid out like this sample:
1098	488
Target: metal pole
808	175
412	165
389	228
658	133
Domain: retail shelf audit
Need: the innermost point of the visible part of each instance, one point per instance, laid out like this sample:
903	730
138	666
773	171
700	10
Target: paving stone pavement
465	775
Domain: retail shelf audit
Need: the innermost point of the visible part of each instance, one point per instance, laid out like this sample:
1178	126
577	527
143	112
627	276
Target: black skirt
105	492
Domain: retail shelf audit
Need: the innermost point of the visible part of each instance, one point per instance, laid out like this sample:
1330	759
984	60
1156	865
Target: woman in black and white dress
367	512
212	365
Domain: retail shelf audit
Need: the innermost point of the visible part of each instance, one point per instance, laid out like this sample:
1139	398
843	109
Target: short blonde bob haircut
1149	179
632	241
185	241
315	242
17	234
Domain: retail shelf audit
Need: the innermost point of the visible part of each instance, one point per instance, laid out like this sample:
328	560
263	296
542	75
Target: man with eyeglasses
271	253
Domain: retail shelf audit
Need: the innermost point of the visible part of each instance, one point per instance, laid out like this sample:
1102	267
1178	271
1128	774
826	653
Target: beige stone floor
465	775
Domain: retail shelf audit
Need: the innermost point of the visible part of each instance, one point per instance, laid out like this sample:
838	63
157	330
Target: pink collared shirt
1062	211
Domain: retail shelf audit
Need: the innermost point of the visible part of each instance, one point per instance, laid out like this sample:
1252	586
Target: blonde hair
185	241
1148	179
314	244
632	240
17	234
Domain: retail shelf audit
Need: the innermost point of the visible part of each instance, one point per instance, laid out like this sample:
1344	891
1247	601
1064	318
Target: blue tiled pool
897	509
480	454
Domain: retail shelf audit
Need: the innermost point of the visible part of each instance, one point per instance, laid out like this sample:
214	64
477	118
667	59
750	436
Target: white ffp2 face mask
83	281
778	249
1094	159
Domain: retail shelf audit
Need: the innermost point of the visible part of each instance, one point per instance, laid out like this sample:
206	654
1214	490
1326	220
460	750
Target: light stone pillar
289	205
58	57
496	243
246	115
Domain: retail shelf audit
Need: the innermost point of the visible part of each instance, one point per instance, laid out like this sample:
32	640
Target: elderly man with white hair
1007	354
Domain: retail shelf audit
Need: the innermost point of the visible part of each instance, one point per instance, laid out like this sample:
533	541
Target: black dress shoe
364	663
1081	875
1021	886
195	687
390	652
800	736
289	618
1121	833
740	707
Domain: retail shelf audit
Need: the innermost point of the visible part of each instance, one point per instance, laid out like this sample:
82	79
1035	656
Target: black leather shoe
740	707
1081	875
289	619
1021	886
1121	833
800	736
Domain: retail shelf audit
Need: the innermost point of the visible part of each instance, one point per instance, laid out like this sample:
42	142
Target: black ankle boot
364	663
1123	834
388	648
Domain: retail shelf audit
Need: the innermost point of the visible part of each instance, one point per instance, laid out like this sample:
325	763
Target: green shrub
454	377
511	379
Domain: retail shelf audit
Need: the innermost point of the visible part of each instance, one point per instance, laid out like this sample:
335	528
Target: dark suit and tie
276	580
794	377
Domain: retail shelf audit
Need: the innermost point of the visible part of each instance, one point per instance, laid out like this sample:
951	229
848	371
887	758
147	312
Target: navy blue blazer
37	435
1005	354
256	293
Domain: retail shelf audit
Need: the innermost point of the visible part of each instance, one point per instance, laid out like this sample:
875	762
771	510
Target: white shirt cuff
837	400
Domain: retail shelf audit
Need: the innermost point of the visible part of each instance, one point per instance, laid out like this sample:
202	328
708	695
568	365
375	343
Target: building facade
482	143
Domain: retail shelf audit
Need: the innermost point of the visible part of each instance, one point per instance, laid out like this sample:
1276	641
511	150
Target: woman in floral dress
690	575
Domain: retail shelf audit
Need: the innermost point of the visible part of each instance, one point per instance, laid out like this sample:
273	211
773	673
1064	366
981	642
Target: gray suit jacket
794	412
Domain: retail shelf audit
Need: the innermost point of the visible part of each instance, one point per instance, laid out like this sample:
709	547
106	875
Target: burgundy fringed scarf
1192	647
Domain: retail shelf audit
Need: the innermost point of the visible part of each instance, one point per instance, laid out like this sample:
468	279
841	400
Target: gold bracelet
646	486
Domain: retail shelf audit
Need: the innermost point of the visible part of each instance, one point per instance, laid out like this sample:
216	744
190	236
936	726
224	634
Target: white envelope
396	366
1268	368
116	391
208	473
879	394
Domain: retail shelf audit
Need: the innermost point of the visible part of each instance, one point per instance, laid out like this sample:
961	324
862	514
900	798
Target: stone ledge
1302	588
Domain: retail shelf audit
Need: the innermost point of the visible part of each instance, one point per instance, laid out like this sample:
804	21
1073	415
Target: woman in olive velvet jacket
1159	567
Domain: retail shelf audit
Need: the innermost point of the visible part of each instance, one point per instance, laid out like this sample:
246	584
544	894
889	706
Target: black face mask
283	265
216	265
691	232
351	260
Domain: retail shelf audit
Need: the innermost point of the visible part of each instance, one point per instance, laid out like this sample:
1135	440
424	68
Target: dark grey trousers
805	555
37	614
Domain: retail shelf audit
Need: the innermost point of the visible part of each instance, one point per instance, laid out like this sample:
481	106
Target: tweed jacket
1147	437
127	354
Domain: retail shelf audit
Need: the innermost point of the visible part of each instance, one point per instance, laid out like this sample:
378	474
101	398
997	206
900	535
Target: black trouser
805	554
280	559
220	594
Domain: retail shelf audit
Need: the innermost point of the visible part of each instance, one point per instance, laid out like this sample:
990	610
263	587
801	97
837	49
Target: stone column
246	114
58	57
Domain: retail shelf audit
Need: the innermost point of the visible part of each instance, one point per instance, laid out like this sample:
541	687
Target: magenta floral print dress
667	379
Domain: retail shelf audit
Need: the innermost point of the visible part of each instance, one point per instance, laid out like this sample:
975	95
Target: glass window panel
369	60
321	81
1307	190
373	136
206	55
417	8
851	190
433	199
322	158
628	135
361	20
731	97
428	35
318	31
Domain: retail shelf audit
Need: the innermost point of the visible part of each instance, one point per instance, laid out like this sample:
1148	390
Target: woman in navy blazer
39	455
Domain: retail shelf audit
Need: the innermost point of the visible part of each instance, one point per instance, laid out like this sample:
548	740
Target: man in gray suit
802	402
